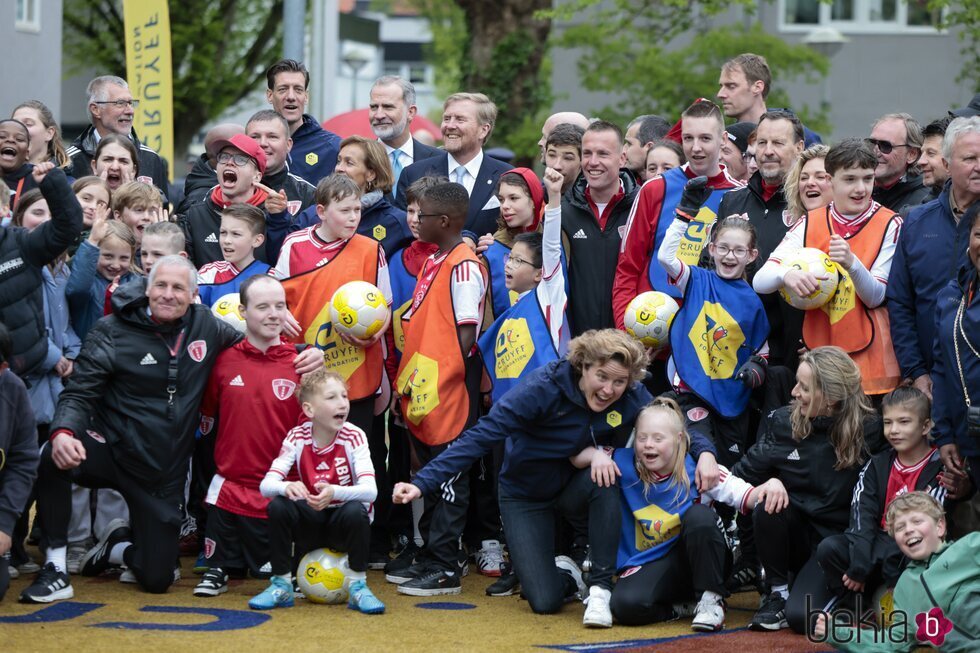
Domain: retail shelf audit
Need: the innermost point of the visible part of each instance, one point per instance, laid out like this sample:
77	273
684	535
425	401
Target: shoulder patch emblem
197	350
312	159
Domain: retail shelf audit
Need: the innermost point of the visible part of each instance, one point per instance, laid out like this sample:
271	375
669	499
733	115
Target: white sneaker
127	576
76	551
489	558
597	613
709	616
566	564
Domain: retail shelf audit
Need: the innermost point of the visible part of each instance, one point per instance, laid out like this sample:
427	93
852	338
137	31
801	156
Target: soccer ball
810	259
226	310
358	309
648	318
324	576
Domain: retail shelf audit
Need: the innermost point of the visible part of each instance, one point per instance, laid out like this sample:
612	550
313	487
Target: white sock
285	578
58	557
782	590
711	597
116	553
357	575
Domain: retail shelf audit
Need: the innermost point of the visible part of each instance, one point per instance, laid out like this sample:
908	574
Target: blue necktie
396	166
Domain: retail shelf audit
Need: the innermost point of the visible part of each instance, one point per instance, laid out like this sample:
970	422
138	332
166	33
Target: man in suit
392	110
467	122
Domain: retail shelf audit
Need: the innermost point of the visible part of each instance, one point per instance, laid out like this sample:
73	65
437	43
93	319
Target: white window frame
27	16
861	24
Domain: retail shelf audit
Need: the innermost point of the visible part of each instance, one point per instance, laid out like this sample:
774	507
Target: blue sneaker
201	565
279	594
363	599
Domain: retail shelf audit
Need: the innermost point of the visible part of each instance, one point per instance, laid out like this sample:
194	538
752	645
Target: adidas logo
733	448
579	234
323	467
794	455
238	381
211	238
148	360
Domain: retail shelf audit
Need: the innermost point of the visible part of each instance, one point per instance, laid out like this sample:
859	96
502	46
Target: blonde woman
807	184
670	547
816	447
590	398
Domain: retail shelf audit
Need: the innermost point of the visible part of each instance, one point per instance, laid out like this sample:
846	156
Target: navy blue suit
477	220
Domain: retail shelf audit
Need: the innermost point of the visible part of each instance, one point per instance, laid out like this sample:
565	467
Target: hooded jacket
544	423
123	378
821	493
930	250
82	151
22	256
315	150
948	404
18	450
908	192
592	253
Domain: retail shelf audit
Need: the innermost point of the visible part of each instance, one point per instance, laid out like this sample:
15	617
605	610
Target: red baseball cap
246	144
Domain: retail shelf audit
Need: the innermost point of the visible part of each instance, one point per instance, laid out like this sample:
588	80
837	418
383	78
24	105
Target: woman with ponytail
816	446
671	549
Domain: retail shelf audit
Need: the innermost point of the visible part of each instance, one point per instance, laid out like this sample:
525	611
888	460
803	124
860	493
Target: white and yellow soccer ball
227	310
648	317
324	576
811	259
358	309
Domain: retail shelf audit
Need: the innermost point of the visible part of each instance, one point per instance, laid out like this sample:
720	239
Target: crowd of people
173	382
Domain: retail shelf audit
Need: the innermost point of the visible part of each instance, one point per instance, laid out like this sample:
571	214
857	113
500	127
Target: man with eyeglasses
897	142
111	109
241	163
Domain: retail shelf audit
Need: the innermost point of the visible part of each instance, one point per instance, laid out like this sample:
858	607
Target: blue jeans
530	530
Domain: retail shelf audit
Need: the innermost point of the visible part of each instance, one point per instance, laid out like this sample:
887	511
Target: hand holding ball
811	280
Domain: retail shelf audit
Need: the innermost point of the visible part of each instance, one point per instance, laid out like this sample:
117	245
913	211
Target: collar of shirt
472	167
407	148
610	205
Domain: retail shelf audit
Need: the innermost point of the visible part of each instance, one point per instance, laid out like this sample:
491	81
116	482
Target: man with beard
467	122
392	109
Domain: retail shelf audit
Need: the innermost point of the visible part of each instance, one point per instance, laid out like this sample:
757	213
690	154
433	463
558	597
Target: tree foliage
220	51
964	14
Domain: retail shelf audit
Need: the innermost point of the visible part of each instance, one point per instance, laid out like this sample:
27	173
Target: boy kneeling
331	504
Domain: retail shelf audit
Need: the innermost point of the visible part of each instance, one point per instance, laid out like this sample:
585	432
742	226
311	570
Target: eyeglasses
238	159
121	104
725	250
748	156
508	259
884	146
421	215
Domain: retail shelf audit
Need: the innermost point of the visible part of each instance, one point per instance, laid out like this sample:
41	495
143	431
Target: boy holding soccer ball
860	236
331	505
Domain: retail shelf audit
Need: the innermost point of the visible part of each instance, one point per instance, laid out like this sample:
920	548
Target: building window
859	16
28	17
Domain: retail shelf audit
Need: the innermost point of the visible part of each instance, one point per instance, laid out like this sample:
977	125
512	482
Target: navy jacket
18	449
315	150
545	420
930	249
478	220
948	404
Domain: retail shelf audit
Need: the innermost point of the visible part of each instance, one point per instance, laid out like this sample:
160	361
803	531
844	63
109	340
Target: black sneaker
378	559
419	569
96	560
507	585
50	585
771	615
405	559
214	582
434	583
744	578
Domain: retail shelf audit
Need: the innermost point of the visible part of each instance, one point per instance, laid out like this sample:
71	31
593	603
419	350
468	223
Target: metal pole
294	34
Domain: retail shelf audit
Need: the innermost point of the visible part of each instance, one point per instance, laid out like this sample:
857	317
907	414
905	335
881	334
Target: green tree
644	74
220	51
965	15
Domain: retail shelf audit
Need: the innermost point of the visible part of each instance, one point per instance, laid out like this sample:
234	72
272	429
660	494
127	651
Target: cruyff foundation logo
932	627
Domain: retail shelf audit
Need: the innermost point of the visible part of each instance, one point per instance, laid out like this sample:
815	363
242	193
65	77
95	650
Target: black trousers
699	561
730	436
400	521
236	542
834	556
346	528
156	510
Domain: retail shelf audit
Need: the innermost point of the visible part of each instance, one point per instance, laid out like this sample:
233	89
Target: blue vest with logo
694	239
517	343
651	520
210	293
402	289
721	324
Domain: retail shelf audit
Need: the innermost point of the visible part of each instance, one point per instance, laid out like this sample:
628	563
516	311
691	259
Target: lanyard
172	371
958	327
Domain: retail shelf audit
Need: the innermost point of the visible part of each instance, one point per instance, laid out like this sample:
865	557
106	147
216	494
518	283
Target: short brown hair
253	216
917	501
704	109
121	141
850	153
376	160
486	110
417	190
173	234
286	66
136	195
754	67
335	188
315	380
599	346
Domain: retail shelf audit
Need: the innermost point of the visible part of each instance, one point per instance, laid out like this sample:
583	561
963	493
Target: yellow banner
149	73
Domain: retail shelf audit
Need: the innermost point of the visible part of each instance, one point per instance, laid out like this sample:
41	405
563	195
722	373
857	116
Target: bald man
203	176
555	119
